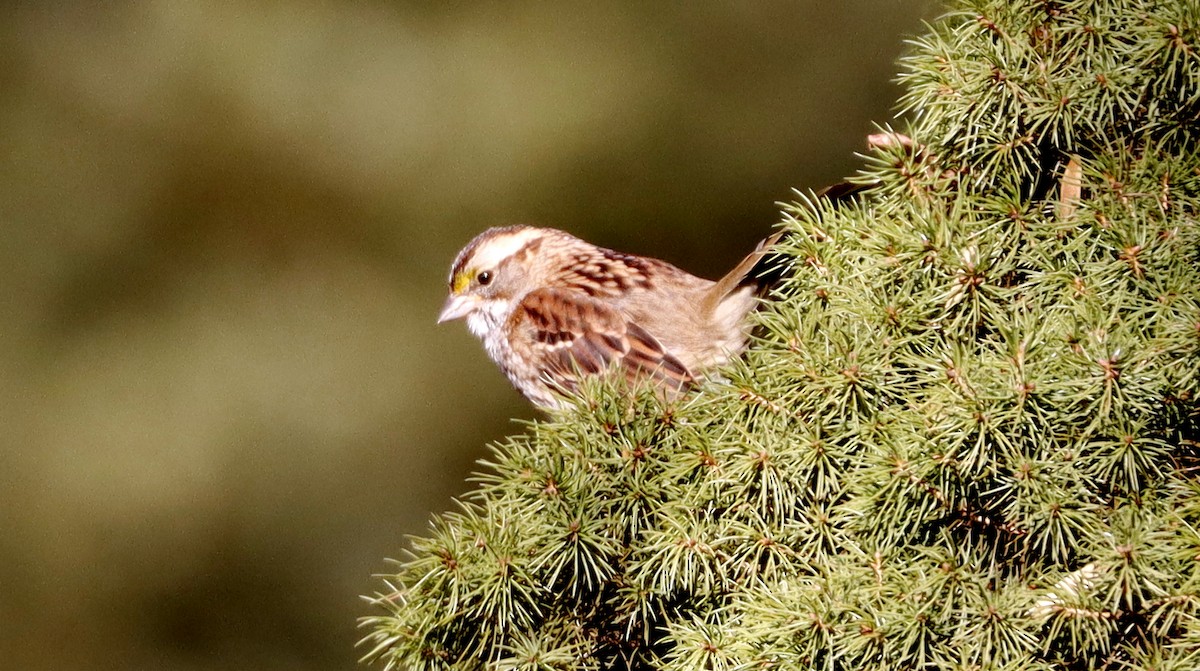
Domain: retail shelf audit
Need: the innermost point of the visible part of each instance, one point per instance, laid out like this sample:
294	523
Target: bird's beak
457	307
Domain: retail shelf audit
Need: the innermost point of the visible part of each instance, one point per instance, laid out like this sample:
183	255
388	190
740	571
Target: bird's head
490	275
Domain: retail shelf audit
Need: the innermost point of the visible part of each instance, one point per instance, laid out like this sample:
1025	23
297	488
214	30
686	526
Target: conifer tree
966	439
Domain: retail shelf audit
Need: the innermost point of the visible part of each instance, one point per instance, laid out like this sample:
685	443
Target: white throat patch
488	317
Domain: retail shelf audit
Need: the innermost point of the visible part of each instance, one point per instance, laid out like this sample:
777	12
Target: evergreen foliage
967	439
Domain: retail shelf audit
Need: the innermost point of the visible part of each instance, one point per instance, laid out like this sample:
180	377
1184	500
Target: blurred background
226	230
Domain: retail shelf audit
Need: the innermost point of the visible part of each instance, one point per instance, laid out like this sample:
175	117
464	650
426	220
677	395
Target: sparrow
551	308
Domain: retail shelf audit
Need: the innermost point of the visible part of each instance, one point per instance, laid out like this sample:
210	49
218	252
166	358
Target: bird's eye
484	278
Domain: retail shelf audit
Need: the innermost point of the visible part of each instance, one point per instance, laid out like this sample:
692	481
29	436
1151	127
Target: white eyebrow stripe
501	247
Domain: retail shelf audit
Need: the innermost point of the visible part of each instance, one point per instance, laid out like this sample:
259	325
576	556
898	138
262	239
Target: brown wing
569	334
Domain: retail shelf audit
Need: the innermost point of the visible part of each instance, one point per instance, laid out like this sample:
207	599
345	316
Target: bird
552	309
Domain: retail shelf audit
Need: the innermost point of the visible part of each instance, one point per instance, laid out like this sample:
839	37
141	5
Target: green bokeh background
226	228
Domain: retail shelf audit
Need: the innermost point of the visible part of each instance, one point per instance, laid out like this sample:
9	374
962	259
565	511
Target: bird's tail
764	267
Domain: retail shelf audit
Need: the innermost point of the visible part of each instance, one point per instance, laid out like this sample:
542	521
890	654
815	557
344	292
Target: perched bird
550	308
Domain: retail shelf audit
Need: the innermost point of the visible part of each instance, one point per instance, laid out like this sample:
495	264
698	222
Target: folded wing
569	334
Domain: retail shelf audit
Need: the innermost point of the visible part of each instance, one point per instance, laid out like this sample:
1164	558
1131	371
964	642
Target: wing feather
568	333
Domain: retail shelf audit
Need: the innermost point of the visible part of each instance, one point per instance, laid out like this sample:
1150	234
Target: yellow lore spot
460	282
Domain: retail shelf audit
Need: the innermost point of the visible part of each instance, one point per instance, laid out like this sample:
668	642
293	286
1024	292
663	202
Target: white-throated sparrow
550	307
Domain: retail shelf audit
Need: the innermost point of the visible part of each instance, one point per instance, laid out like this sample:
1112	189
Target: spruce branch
967	435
